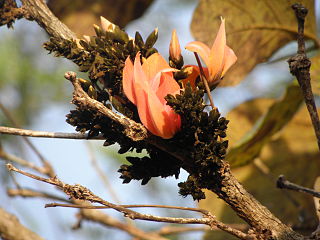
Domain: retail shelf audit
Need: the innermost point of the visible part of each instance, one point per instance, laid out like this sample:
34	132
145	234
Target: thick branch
38	10
134	131
11	228
249	209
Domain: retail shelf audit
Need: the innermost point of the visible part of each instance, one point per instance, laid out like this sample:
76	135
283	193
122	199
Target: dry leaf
277	116
315	74
82	14
255	29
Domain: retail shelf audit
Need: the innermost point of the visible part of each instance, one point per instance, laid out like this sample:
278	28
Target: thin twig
79	192
203	211
204	80
285	184
89	214
300	67
29	193
12	158
42	134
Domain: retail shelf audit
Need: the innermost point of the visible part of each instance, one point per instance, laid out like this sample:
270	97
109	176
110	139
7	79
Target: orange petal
127	81
194	74
230	58
143	108
202	49
162	122
154	64
217	54
138	73
167	86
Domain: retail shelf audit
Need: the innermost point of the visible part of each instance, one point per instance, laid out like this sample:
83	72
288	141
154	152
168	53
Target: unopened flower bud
86	38
107	25
174	49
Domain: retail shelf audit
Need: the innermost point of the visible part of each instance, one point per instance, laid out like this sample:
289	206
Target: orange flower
218	59
146	86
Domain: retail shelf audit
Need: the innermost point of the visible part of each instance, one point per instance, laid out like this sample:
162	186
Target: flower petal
167	86
128	81
143	108
230	58
202	49
138	73
195	72
164	125
154	64
216	58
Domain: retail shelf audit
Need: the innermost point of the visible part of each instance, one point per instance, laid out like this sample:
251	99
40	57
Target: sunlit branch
12	158
79	192
29	193
43	134
203	211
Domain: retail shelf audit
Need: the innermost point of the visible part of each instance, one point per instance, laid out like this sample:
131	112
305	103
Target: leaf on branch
315	74
81	14
255	29
277	116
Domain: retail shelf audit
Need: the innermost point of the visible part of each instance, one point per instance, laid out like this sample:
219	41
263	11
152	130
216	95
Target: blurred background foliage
270	132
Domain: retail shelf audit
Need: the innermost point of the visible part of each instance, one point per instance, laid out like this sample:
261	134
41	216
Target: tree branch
42	134
283	183
11	228
81	193
134	131
12	158
38	11
300	67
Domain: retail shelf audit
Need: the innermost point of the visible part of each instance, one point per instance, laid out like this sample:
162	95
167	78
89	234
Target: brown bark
38	10
251	210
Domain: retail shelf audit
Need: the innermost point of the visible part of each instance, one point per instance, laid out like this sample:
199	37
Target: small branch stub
285	184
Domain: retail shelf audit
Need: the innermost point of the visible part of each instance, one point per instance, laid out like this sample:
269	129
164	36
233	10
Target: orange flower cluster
146	85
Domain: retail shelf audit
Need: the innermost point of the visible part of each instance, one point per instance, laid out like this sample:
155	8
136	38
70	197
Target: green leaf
255	29
278	115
